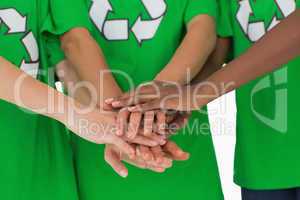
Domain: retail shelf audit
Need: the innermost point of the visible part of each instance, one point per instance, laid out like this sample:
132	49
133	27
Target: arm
198	44
273	50
215	61
21	89
279	46
88	61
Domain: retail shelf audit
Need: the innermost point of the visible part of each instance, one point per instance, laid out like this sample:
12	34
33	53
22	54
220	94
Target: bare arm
86	57
22	90
193	52
276	48
215	61
279	46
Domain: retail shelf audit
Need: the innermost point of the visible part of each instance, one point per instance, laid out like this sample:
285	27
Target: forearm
268	54
193	52
86	57
215	61
21	89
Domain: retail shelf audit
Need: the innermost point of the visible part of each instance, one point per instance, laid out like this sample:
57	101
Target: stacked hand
147	132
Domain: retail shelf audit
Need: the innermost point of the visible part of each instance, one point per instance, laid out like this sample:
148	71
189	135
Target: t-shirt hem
281	184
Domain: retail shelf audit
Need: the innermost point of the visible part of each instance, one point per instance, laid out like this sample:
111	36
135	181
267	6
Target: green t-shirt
138	39
35	151
268	139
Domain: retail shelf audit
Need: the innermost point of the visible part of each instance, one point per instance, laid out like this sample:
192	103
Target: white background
222	116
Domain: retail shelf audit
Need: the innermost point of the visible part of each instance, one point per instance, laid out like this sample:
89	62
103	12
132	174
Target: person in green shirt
267	135
266	167
35	149
157	40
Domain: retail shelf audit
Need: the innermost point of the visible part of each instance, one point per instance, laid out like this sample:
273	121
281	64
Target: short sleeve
224	26
63	15
200	7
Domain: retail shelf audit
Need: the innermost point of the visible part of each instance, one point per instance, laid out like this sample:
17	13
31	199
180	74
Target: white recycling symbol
16	23
257	30
119	29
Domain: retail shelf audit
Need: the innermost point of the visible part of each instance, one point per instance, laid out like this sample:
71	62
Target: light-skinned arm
197	45
22	90
84	54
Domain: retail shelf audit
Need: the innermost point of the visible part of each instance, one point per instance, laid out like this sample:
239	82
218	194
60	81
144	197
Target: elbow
75	39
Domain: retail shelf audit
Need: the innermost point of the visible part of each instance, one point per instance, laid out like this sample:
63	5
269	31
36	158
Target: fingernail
163	142
154	143
123	173
116	103
108	101
132	108
118	133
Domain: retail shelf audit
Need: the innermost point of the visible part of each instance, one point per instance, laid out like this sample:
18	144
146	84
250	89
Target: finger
178	123
145	153
136	163
148	122
157	169
122	145
151	105
134	124
160	139
139	95
123	96
122	121
161	122
113	159
175	152
160	157
171	118
142	140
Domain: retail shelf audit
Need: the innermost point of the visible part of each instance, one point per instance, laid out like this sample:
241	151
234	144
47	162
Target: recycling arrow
14	21
286	6
146	29
257	30
30	68
116	29
274	23
31	46
17	24
119	29
99	11
156	8
243	14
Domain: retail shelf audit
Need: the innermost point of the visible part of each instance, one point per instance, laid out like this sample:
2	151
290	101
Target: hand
98	128
147	124
144	160
156	159
157	95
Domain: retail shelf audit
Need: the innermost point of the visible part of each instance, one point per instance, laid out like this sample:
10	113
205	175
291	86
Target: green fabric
60	19
35	151
196	178
267	148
